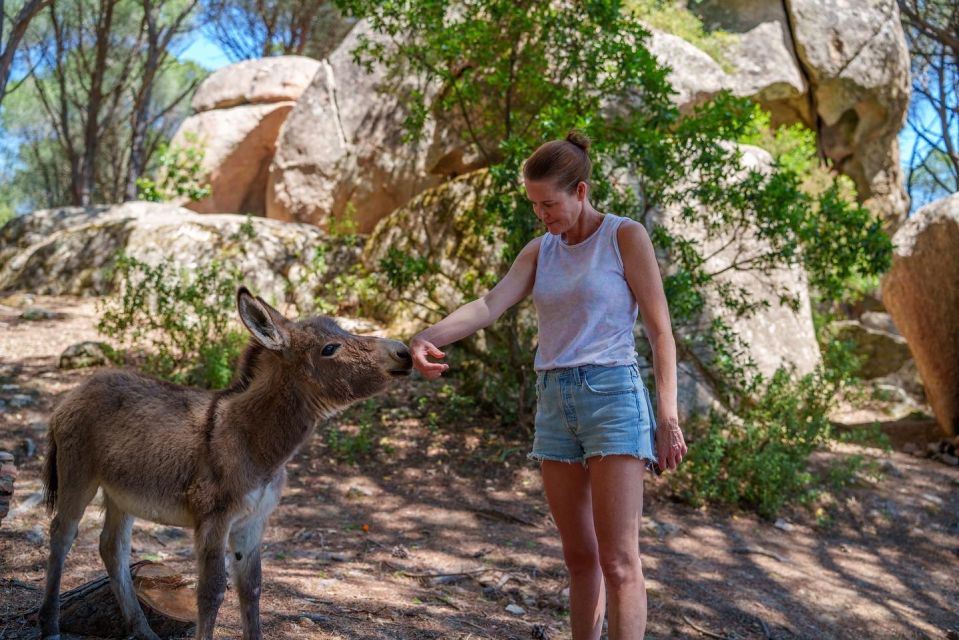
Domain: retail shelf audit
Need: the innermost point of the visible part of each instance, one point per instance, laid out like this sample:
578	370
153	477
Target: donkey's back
123	431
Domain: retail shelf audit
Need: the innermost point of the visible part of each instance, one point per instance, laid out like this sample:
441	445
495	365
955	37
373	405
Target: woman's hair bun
578	138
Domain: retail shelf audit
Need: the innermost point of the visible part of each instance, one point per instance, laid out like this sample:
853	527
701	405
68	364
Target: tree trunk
17	29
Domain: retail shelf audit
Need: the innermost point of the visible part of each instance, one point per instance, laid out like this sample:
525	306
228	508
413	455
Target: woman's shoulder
627	227
632	237
530	251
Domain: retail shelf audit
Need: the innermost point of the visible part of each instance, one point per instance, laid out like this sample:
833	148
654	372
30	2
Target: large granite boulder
921	292
239	112
342	149
775	336
694	75
435	227
238	145
857	61
263	80
758	58
841	68
72	250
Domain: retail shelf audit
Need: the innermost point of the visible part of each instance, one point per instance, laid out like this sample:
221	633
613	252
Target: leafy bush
356	435
179	173
759	458
184	324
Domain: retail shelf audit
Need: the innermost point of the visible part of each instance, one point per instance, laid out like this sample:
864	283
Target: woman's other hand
670	444
420	349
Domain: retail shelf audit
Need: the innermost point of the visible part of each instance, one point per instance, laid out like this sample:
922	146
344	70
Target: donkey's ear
266	324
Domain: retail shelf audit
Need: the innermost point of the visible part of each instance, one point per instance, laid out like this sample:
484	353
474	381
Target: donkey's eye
330	349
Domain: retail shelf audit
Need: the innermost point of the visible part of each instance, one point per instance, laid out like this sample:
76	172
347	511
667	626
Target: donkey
210	461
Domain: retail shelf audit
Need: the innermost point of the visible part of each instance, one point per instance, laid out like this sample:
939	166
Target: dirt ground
356	550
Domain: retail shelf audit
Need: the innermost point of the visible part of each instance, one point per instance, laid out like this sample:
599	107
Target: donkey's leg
71	501
245	545
115	551
211	564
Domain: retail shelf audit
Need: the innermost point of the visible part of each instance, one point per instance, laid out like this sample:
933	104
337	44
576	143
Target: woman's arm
646	283
475	315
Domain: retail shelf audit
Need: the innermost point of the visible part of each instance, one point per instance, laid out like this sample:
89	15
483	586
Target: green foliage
44	121
759	459
345	227
179	172
517	76
454	408
183	323
357	435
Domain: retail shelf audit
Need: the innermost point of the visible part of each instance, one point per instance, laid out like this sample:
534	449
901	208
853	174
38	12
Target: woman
589	276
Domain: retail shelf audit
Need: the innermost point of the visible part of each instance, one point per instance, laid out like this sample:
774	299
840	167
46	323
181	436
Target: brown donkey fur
210	461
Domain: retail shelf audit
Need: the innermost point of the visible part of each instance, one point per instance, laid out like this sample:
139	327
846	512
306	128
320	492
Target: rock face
72	250
842	68
240	110
921	292
882	351
238	145
773	337
761	54
85	354
342	148
695	76
858	64
8	474
435	226
276	79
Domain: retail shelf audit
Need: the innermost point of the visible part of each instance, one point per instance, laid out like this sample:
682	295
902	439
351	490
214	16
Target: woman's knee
581	560
621	568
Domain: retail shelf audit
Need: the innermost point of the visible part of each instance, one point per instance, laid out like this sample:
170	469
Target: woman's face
558	209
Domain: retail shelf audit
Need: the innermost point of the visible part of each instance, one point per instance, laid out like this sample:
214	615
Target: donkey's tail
50	473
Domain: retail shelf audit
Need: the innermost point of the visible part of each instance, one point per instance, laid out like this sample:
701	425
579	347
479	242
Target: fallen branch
760	551
704	631
91	609
496	514
471	572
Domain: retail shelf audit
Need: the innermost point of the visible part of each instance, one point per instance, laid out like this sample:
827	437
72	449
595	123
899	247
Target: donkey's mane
245	369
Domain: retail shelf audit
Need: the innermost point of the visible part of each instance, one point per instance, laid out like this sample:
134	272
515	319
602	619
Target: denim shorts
591	410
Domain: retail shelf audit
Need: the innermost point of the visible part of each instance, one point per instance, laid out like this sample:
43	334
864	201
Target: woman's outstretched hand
421	349
670	444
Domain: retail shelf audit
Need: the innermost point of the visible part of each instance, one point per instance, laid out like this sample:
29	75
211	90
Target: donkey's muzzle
401	357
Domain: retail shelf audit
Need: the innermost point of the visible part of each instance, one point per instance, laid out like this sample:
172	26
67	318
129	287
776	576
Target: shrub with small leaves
179	172
183	323
356	435
759	459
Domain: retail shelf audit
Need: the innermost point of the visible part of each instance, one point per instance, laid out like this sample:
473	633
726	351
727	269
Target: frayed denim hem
539	457
632	454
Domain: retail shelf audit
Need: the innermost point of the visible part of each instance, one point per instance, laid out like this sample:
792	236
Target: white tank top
584	306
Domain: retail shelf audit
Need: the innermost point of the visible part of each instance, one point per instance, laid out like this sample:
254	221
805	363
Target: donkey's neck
269	418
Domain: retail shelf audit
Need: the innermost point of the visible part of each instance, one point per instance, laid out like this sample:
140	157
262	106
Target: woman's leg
616	483
568	494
